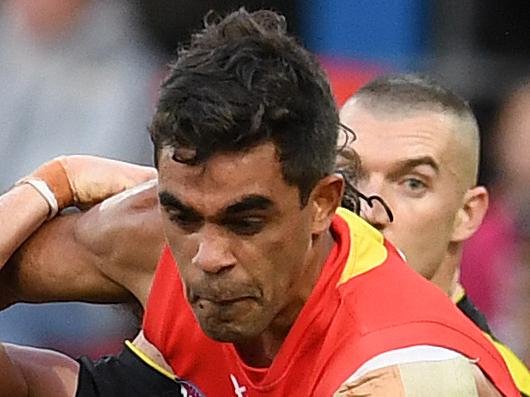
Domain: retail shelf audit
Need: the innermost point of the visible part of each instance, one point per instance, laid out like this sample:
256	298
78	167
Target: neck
448	273
260	351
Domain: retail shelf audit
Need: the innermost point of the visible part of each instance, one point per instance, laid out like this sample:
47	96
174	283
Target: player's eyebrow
409	164
246	203
170	202
249	203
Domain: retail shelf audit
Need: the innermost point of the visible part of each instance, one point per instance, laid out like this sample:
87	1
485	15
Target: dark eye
246	226
186	222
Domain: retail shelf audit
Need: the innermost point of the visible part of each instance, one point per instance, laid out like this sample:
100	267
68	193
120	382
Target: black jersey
128	375
471	311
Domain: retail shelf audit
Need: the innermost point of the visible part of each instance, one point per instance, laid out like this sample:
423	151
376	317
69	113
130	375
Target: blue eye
414	184
413	187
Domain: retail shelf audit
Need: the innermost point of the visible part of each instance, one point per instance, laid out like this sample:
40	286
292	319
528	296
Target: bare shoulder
125	232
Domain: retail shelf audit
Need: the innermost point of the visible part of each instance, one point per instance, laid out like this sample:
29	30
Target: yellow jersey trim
367	250
519	372
146	359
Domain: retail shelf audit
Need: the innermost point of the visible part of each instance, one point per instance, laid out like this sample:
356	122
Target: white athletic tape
42	187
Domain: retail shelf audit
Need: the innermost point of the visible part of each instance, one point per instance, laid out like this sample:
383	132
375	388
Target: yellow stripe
366	246
519	372
146	359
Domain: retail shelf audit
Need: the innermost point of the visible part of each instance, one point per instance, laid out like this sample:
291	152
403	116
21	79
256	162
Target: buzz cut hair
412	92
406	94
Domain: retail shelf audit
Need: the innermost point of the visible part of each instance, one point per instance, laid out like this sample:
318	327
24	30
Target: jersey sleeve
124	375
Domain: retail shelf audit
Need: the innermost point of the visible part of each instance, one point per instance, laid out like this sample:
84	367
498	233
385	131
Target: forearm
30	202
76	257
22	211
55	265
91	256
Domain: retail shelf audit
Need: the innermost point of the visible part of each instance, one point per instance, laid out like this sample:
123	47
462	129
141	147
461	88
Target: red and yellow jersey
367	301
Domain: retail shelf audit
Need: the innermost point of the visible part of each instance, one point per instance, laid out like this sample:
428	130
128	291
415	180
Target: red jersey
367	301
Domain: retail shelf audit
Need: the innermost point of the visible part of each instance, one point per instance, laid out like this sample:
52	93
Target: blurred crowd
81	76
496	263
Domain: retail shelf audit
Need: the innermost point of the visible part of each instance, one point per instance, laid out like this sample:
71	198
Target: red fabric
346	75
339	329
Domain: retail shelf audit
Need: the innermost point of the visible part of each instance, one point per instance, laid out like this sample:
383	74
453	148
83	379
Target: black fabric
126	375
474	314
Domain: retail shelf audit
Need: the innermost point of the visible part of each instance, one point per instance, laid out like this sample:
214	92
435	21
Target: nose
213	254
375	214
373	211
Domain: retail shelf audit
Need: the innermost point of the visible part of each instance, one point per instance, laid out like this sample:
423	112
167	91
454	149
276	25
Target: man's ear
469	217
325	198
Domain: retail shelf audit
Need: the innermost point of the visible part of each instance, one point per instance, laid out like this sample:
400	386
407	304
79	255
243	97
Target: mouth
223	310
221	297
225	301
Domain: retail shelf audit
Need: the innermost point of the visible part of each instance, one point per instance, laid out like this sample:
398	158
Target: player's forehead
224	180
388	139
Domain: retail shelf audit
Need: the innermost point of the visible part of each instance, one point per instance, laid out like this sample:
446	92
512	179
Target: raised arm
22	211
104	255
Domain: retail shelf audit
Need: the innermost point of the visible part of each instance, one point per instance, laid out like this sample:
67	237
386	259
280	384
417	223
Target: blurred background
81	76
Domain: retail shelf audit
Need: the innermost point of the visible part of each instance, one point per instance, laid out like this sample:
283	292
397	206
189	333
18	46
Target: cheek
183	247
421	229
266	258
427	215
282	253
291	250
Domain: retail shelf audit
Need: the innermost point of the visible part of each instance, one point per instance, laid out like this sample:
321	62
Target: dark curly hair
241	82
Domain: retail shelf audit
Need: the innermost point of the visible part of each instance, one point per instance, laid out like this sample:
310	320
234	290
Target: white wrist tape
42	187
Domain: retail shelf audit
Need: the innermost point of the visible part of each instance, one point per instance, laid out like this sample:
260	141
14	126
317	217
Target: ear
325	198
469	217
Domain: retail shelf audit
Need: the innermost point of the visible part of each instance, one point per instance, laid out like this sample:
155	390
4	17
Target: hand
87	180
93	179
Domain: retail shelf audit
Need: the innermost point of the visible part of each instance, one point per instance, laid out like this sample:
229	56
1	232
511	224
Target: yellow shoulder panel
366	246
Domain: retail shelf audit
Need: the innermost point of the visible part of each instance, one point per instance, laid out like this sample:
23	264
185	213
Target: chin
222	335
230	332
230	323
